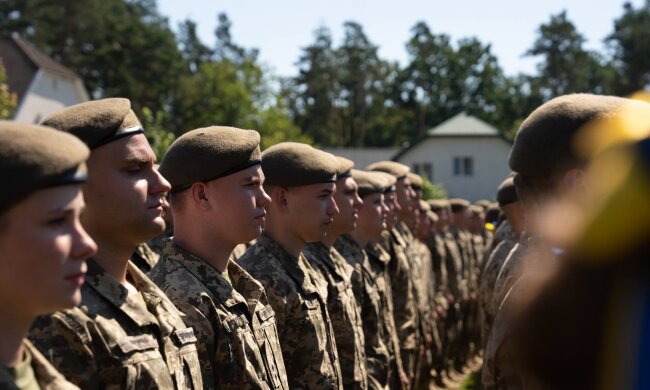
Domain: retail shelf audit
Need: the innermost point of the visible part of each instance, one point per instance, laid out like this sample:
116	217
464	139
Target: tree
118	47
194	52
566	67
7	98
630	42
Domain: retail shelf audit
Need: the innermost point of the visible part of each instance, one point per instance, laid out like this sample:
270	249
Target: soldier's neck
360	238
13	328
210	249
330	239
285	238
114	258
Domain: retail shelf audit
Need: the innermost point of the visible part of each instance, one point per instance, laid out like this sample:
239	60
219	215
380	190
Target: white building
42	85
363	157
466	155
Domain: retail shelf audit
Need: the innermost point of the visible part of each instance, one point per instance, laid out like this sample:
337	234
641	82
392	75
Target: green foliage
159	138
7	99
630	41
433	191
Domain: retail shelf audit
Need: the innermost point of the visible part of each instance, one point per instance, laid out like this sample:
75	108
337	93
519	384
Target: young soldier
126	333
341	302
360	249
218	202
301	182
42	244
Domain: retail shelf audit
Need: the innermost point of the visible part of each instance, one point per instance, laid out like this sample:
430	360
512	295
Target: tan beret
345	167
292	164
507	192
97	122
483	203
458	204
390	180
438	204
34	157
424	206
433	216
475	209
369	182
394	168
209	153
544	142
416	180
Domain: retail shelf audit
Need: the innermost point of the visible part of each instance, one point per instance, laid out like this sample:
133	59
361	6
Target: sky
280	28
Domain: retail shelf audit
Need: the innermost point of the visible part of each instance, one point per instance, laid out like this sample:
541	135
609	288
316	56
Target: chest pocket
141	360
189	371
239	348
268	341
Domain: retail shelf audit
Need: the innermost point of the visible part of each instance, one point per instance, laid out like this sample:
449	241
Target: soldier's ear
279	197
200	196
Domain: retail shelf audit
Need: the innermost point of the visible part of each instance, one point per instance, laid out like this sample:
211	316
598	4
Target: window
424	170
463	166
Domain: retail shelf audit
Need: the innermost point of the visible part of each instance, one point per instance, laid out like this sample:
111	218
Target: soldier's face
237	205
348	202
124	192
42	249
372	215
393	209
405	196
311	210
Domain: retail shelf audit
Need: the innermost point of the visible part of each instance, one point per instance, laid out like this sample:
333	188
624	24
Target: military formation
228	267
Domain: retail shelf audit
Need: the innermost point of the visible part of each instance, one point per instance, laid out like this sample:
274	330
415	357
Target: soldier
341	302
126	332
394	242
544	176
301	182
218	202
42	244
508	235
360	248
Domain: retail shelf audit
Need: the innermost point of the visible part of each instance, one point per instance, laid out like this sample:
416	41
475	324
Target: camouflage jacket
117	339
404	300
454	263
47	377
235	325
144	257
344	312
379	261
436	245
377	339
299	300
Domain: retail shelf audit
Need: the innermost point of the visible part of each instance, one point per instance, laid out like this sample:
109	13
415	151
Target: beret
345	167
475	209
424	206
390	180
492	214
484	203
507	192
209	153
458	204
292	164
97	122
544	142
369	183
416	180
34	157
438	204
433	216
394	168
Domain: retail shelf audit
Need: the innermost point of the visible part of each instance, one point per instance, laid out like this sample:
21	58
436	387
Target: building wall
48	93
490	164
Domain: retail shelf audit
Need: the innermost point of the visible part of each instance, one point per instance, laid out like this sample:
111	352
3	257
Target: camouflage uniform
47	377
298	295
344	312
118	339
234	323
404	304
378	341
508	274
144	257
491	271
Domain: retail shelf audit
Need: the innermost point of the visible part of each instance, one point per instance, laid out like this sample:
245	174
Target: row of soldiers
348	278
561	293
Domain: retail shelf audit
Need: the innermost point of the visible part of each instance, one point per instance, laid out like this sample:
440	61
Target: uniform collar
289	263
